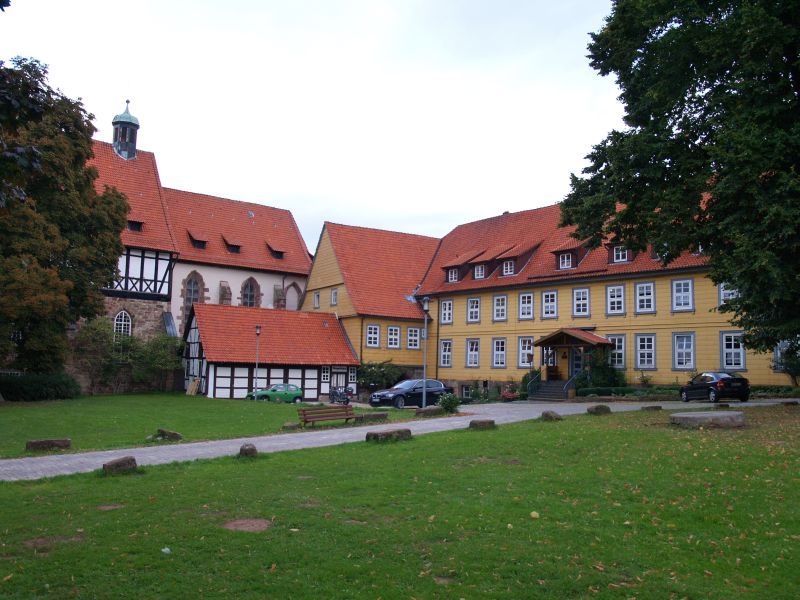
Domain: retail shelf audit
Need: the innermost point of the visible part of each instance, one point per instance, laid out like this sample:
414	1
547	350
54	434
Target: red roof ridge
377	230
225	199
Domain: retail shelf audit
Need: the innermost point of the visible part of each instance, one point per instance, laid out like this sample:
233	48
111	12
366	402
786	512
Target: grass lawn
628	508
105	422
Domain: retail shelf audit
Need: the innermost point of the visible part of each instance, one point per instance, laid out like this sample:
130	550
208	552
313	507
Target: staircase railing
534	383
570	383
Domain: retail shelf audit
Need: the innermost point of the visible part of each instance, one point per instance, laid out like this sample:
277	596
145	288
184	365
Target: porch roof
572	336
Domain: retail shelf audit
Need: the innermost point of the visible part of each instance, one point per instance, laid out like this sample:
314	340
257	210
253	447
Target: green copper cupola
125	128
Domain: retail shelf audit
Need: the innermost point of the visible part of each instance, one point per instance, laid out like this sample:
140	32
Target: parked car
714	385
409	391
278	392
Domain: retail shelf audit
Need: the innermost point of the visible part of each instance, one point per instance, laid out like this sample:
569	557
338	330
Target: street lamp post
255	375
426	304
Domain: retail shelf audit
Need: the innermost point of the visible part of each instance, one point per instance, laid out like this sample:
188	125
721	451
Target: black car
714	385
409	391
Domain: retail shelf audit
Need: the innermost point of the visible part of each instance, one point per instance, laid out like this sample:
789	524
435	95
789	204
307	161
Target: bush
379	376
776	391
449	402
605	391
46	386
602	374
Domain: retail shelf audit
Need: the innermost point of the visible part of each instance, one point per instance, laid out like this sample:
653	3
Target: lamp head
426	304
258	330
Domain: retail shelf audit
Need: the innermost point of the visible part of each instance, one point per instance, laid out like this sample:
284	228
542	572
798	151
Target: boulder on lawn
598	409
371	416
290	426
389	435
482	424
727	419
56	444
126	464
429	411
166	434
652	407
248	450
551	415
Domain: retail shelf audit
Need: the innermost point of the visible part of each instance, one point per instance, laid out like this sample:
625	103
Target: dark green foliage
789	361
776	391
103	360
30	388
605	391
711	155
449	403
536	374
155	359
599	372
379	376
59	239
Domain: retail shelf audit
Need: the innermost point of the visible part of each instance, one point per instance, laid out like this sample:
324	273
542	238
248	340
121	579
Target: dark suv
714	385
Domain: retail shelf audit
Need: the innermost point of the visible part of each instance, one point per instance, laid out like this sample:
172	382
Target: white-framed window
525	348
500	308
325	375
726	293
645	351
122	325
620	254
480	271
452	275
373	336
616	355
550	304
412	338
732	350
682	296
499	353
646	297
615	300
445	353
548	357
393	337
446	311
525	306
580	302
683	351
473	353
316	299
473	310
508	267
334	296
778	355
565	260
352	375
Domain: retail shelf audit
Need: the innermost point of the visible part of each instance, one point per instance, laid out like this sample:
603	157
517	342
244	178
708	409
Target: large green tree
709	159
59	239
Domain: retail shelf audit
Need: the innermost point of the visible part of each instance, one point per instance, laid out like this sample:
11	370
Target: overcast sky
410	115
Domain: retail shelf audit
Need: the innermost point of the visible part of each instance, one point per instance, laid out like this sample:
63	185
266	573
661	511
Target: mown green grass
629	508
105	422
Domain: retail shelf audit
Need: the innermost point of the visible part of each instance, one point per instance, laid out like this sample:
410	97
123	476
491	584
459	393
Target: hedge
605	391
779	391
30	388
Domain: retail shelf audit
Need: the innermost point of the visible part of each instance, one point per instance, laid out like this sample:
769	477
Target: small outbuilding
231	350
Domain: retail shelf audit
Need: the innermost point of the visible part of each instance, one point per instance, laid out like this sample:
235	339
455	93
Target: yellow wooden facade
325	283
704	323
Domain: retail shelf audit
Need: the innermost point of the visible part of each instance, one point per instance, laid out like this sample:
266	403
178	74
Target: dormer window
452	275
480	271
135	225
233	248
508	267
275	251
198	239
620	254
565	260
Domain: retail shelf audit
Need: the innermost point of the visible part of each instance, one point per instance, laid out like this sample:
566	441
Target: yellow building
513	293
367	277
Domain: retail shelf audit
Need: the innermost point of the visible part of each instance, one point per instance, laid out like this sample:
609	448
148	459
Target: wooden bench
313	414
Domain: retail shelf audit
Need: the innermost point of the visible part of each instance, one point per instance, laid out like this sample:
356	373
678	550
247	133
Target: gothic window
193	289
251	294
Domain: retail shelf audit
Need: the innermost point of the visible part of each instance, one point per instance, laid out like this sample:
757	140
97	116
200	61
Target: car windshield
404	385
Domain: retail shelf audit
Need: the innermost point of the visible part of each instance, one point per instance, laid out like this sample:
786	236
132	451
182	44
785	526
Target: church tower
125	128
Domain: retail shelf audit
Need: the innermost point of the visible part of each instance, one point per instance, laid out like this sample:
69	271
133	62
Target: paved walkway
39	467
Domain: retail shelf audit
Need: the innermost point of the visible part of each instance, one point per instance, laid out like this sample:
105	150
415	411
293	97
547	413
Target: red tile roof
580	334
138	180
536	229
288	337
380	268
219	222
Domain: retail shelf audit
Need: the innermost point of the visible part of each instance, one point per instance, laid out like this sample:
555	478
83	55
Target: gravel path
39	467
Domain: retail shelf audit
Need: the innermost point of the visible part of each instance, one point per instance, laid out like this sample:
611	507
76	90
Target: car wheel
297	400
712	395
400	402
684	396
744	398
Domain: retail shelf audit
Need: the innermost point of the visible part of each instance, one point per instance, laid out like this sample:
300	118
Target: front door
575	361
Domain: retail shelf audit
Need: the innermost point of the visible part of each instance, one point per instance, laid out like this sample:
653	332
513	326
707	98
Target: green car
278	392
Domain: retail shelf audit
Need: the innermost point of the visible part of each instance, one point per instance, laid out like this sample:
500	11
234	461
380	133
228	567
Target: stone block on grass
371	417
166	434
290	426
791	403
429	411
43	445
482	424
728	419
598	409
390	435
248	450
652	407
126	464
551	415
